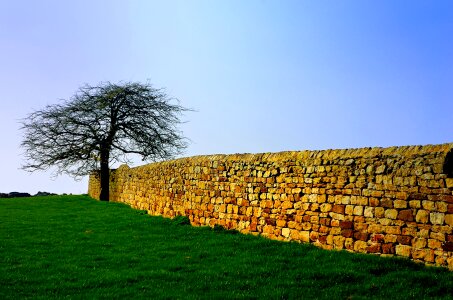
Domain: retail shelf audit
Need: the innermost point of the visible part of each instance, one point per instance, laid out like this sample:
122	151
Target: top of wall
442	151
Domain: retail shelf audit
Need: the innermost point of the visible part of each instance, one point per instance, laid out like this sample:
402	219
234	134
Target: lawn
75	247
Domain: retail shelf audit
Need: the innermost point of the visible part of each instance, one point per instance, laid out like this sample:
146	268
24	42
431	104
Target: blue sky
263	76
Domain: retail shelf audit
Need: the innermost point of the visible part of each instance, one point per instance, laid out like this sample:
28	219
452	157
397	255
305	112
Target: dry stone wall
387	201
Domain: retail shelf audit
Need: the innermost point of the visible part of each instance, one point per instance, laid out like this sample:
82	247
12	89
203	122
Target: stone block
374	248
346	224
391	214
422	216
429	205
358	210
419	243
415	204
337	208
375	228
338	242
404	239
360	246
449	219
449	183
286	232
361	236
379	212
406	215
388	248
437	218
369	212
349	210
434	244
403	250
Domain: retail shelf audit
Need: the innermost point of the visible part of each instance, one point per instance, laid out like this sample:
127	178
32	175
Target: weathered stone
286	232
380	169
374	248
360	246
346	224
400	204
391	213
405	215
437	218
338	209
422	216
449	183
361	236
388	248
449	219
434	244
404	239
358	210
403	250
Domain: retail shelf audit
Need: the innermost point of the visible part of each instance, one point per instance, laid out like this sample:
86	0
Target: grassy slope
72	246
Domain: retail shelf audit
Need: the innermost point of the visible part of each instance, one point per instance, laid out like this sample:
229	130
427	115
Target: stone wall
387	201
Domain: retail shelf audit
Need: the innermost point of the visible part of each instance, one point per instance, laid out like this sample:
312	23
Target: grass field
74	247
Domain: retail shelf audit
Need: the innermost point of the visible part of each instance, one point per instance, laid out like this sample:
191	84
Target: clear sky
264	76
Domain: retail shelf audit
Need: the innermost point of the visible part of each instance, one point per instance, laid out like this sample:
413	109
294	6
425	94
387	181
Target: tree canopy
101	125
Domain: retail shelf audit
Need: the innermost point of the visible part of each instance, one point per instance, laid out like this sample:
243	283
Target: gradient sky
264	76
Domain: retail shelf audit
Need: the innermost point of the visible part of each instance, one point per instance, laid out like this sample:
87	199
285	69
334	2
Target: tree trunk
105	177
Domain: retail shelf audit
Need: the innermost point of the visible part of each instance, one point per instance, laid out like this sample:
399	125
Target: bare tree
101	125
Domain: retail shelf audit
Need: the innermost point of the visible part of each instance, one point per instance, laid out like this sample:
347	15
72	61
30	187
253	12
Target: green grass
74	247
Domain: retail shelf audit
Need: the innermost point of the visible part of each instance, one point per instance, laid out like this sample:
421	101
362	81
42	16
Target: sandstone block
404	239
304	236
340	209
429	205
388	248
379	212
387	203
360	246
326	207
434	244
358	210
338	242
346	224
369	212
449	183
349	210
420	254
281	223
361	236
441	206
419	243
286	232
391	214
422	216
449	219
437	218
412	231
415	204
403	250
390	238
406	215
400	204
393	229
380	169
375	228
374	202
349	243
374	248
